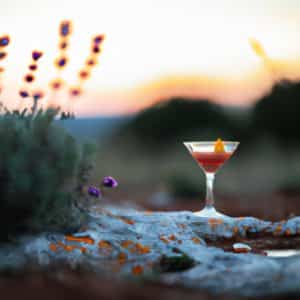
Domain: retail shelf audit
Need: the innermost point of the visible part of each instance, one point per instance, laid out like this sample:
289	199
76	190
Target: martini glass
210	162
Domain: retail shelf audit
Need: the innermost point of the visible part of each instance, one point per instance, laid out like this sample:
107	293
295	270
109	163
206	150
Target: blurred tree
179	119
277	114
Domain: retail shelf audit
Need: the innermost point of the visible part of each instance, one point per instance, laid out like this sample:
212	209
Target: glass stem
209	201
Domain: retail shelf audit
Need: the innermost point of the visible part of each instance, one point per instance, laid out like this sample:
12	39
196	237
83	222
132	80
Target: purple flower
33	67
24	94
65	28
98	39
61	62
94	192
75	91
38	95
3	55
4	41
29	78
109	181
96	49
36	55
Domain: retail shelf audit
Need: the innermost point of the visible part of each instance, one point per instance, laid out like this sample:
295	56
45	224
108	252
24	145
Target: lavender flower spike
94	192
109	181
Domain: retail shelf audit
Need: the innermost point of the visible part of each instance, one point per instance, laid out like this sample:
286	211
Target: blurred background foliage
145	151
45	162
42	168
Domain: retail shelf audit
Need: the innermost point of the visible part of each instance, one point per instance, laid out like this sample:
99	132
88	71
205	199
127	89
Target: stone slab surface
128	242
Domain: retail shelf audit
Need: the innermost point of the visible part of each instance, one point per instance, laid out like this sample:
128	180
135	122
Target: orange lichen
137	270
141	249
172	237
104	244
196	240
219	146
235	230
67	248
83	250
127	221
70	248
183	226
277	230
288	232
122	257
84	239
53	247
164	239
126	243
213	222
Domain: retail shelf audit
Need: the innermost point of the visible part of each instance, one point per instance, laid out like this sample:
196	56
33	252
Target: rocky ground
172	250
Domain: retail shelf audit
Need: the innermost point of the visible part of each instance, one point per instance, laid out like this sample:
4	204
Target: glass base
210	212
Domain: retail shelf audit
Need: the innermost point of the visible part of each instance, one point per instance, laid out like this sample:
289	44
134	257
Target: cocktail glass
210	162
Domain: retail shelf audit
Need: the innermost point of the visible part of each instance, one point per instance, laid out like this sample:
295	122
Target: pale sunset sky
155	49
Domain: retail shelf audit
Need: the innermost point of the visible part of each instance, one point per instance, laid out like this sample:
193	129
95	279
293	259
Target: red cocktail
211	161
210	156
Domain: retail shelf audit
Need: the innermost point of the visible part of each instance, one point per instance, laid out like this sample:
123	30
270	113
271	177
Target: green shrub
166	123
42	170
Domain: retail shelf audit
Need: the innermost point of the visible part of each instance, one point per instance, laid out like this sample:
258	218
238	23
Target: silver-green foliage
42	171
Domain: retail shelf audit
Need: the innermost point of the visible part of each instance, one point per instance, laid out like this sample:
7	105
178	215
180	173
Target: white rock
241	248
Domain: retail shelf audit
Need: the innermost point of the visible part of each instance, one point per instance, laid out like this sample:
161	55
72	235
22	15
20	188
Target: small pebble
241	248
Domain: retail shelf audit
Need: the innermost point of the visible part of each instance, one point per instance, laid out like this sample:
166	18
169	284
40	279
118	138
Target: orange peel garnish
219	146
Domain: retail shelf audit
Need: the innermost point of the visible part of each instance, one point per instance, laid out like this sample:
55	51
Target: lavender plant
4	42
41	168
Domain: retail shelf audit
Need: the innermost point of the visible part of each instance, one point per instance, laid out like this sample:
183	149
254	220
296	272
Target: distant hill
181	119
169	122
278	113
95	129
177	119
